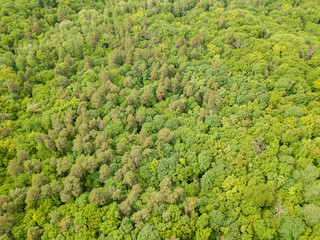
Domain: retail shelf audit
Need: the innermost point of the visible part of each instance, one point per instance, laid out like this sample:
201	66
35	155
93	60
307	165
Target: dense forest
159	119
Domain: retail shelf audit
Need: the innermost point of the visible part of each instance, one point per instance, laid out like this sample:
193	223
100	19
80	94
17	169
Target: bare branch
312	50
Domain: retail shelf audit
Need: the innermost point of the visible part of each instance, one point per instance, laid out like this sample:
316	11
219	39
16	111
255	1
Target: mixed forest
160	119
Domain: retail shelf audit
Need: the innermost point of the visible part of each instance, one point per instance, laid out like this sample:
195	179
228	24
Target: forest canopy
158	119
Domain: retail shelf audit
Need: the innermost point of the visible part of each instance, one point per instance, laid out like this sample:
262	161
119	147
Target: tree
155	72
120	148
311	214
164	136
211	101
161	92
125	206
77	170
190	204
166	167
279	49
38	180
308	175
130	178
146	97
133	97
148	232
212	84
67	64
4	237
104	76
87	63
131	121
94	40
61	14
14	168
261	195
279	210
205	159
293	112
17	193
35	25
140	116
216	220
12	85
178	105
62	81
258	145
291	228
89	164
175	83
188	90
202	114
6	222
202	230
127	82
45	191
72	187
98	196
148	143
115	58
139	216
196	41
126	225
66	223
63	165
22	156
33	194
105	172
283	84
33	165
234	231
62	142
34	233
97	99
263	229
143	136
55	187
208	179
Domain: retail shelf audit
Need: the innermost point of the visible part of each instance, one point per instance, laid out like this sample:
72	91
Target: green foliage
166	167
208	179
293	112
205	159
98	196
159	119
283	84
148	232
311	214
263	229
217	219
261	195
291	228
